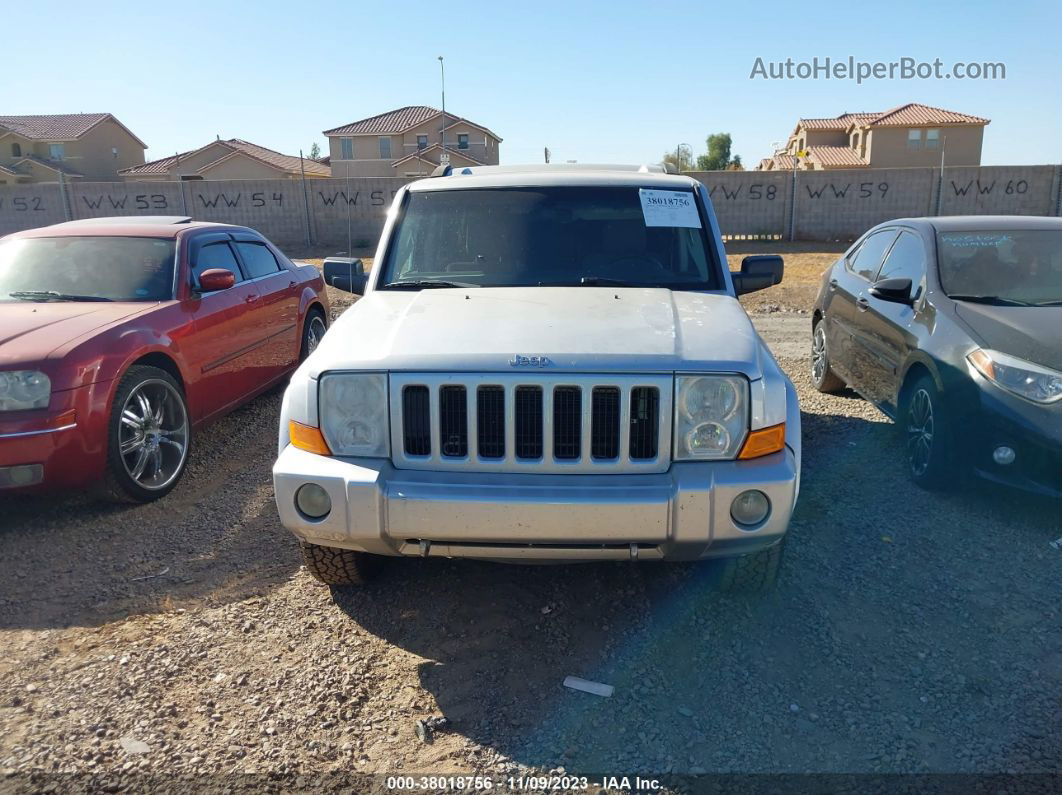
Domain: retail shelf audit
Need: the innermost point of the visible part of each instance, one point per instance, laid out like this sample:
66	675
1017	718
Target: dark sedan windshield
549	236
1016	266
92	268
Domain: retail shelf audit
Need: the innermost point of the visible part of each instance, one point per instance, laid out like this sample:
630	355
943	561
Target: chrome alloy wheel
153	434
818	354
314	333
919	432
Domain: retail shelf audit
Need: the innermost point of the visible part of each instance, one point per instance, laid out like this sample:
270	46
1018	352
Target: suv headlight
24	389
1017	376
711	416
352	411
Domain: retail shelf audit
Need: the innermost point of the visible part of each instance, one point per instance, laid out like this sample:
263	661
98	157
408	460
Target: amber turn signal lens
64	420
308	438
764	442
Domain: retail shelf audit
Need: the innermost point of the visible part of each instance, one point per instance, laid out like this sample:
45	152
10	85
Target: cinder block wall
820	205
842	204
286	211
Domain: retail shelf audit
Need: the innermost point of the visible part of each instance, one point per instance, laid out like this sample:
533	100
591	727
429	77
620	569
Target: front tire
748	574
822	375
927	432
149	436
312	333
334	566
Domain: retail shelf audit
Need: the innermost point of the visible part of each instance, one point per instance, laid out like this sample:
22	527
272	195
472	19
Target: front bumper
1033	431
63	446
681	514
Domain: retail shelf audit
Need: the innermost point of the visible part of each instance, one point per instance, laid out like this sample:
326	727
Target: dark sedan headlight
1017	376
24	389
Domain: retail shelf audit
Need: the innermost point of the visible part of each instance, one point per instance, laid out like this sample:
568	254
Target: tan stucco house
910	135
409	142
232	158
82	146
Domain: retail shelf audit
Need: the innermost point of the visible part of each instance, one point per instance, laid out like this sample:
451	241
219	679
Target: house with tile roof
409	142
908	135
232	158
69	146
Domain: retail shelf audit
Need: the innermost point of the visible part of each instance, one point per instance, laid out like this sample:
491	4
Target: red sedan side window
216	255
258	259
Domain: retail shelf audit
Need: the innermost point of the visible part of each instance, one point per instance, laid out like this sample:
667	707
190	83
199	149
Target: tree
681	159
315	151
718	155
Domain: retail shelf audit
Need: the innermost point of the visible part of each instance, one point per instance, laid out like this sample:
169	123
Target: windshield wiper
604	281
990	299
54	295
420	284
1048	303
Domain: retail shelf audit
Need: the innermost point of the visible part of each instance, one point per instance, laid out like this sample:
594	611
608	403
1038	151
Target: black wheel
312	333
148	437
749	573
927	434
822	375
334	566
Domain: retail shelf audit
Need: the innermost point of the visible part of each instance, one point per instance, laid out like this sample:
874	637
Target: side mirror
897	291
345	273
214	279
758	272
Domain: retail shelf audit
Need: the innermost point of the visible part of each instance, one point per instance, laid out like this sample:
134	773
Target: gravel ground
909	632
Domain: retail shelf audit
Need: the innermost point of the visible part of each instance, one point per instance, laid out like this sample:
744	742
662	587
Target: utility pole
940	179
442	77
678	155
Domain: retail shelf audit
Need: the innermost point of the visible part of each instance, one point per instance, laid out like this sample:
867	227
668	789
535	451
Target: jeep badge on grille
529	361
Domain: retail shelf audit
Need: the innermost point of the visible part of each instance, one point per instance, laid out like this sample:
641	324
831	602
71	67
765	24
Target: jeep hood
580	329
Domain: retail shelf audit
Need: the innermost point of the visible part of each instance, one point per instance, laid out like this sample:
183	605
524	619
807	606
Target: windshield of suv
1021	267
528	236
86	269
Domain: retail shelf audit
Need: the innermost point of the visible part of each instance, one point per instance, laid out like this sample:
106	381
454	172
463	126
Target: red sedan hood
29	331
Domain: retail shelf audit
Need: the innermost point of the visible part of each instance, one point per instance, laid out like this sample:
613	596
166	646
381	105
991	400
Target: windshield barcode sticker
669	208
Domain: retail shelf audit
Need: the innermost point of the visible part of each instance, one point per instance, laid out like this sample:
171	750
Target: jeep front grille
534	423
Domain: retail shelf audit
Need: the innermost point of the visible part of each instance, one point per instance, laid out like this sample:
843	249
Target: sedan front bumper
681	514
63	446
1032	431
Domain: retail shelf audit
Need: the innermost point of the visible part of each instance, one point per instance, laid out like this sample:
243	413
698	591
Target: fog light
1003	455
313	501
750	508
18	476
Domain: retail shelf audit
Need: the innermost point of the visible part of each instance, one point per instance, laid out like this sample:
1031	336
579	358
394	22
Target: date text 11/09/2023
545	783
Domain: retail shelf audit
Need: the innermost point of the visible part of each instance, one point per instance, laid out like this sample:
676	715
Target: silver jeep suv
548	364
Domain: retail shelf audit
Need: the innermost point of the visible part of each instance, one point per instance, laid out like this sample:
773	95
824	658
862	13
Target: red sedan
122	337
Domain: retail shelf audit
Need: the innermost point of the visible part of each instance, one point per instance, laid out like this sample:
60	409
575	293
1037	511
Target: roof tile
287	163
915	114
835	156
394	121
62	125
905	115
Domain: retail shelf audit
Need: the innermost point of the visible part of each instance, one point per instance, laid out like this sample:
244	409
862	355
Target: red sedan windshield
87	269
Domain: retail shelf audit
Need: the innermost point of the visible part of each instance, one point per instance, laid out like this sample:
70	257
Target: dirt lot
910	632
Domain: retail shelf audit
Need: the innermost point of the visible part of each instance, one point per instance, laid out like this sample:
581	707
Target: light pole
442	77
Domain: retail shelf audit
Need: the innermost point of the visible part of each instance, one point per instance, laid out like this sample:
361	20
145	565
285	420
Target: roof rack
447	170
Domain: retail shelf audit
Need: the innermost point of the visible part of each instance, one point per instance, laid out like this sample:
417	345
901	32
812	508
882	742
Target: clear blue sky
595	81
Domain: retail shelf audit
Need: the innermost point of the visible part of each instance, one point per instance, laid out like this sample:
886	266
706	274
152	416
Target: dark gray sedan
953	327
